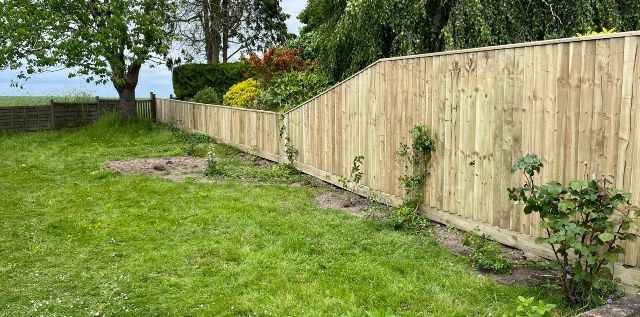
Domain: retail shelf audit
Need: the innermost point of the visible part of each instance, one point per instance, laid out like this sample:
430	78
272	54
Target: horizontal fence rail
574	102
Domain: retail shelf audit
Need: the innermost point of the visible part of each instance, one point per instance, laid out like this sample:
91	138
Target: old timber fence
574	102
63	115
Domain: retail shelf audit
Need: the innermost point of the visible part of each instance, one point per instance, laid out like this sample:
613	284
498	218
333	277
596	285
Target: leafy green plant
407	218
207	95
289	149
214	167
356	173
243	94
417	158
584	222
527	308
291	90
486	254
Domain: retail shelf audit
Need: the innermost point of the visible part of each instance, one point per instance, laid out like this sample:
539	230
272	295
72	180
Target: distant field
16	101
10	101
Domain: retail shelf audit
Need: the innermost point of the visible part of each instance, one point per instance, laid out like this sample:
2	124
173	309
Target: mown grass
76	240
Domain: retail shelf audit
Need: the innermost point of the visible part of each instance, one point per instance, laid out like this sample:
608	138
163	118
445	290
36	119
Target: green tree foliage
189	79
292	90
346	35
103	40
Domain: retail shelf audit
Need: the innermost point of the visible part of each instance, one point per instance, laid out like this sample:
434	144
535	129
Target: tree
220	29
105	40
346	36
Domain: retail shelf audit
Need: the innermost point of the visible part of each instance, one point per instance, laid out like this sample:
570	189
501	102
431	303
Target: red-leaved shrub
276	62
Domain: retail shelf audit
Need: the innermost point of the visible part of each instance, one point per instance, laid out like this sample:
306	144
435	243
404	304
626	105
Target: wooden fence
574	102
62	115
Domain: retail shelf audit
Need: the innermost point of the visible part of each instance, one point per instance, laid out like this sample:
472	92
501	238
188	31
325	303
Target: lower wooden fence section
258	132
63	115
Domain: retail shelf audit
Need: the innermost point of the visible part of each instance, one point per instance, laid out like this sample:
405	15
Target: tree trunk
126	87
211	36
225	30
127	101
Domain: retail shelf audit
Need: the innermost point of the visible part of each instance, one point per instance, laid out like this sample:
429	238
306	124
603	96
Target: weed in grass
542	265
407	218
527	308
214	166
486	254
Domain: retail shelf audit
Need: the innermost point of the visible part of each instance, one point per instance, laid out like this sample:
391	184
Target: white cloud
156	79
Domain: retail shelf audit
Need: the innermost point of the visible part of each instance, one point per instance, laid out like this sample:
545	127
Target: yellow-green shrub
592	33
243	94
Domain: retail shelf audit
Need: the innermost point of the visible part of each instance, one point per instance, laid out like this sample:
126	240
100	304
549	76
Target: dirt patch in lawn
524	272
256	160
344	200
176	168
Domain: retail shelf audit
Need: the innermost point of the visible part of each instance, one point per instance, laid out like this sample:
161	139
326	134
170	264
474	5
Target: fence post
53	115
152	97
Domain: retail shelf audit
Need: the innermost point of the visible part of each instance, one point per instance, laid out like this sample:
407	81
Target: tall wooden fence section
574	102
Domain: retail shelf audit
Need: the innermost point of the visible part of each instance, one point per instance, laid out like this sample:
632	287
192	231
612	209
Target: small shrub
526	308
592	33
276	62
584	222
207	95
291	90
189	79
407	218
243	95
486	254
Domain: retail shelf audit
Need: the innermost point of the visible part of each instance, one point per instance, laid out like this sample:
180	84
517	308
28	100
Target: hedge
188	79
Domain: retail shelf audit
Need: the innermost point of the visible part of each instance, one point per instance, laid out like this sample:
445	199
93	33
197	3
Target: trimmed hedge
189	79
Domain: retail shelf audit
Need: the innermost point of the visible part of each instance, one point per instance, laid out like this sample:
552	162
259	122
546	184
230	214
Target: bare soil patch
176	168
344	200
256	160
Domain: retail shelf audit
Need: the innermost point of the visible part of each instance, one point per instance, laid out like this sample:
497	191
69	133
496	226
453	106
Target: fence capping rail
474	50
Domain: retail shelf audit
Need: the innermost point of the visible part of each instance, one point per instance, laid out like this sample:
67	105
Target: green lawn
76	241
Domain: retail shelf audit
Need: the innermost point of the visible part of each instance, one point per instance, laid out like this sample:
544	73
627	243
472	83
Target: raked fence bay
574	102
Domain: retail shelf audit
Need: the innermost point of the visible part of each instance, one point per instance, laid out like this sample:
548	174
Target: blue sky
156	79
